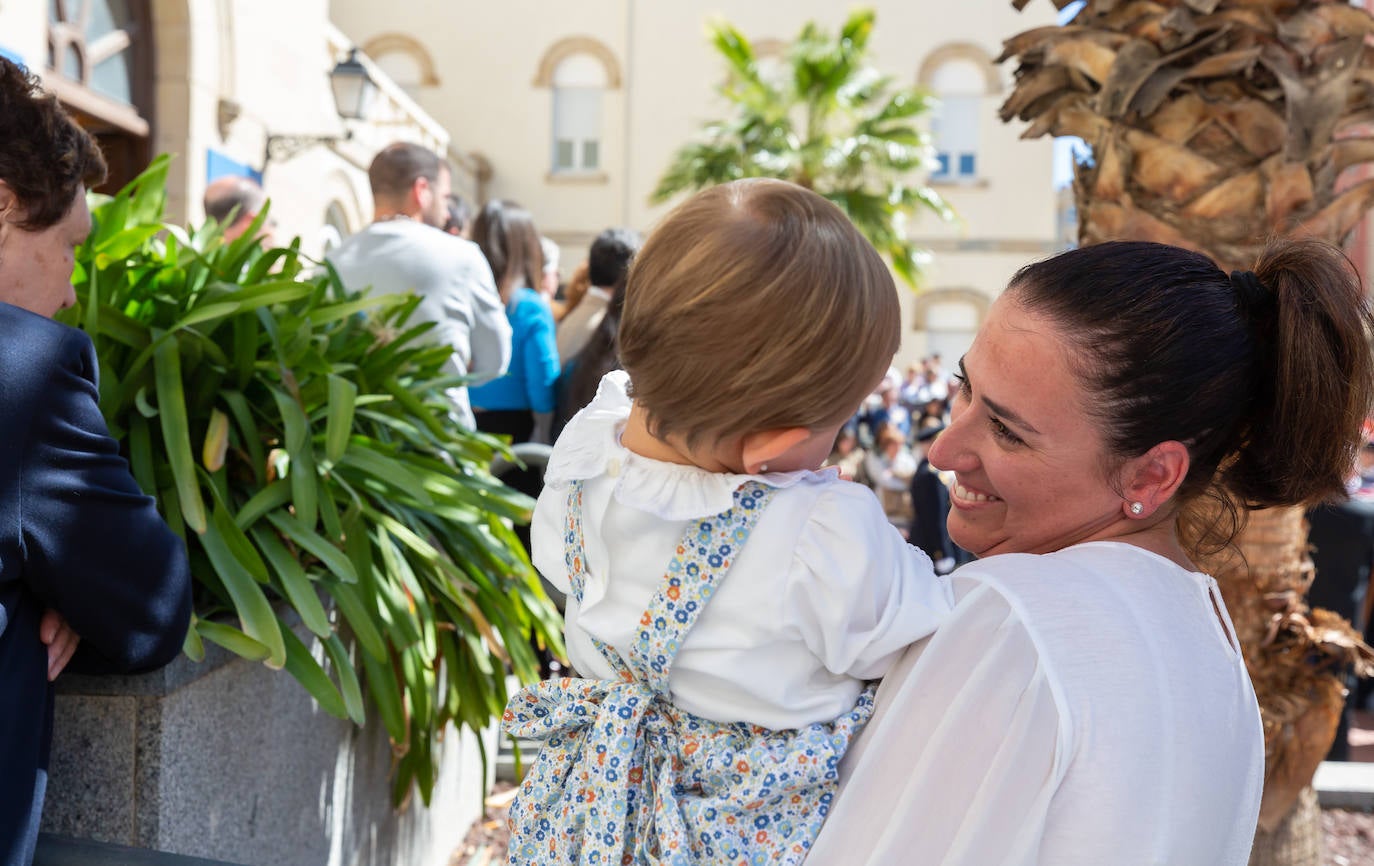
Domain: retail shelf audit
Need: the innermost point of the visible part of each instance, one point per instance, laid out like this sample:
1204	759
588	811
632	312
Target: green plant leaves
826	120
296	434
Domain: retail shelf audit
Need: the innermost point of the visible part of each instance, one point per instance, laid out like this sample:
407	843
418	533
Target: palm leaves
296	436
827	121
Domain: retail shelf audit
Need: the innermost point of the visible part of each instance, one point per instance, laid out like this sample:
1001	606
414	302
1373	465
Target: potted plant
296	435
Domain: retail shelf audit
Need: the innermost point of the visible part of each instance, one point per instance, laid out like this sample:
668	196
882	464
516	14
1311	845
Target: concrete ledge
1345	785
62	851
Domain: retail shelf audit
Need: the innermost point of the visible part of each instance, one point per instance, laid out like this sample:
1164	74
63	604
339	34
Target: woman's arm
540	350
962	758
97	551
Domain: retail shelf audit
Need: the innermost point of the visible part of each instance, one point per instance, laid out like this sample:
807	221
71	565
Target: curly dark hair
45	158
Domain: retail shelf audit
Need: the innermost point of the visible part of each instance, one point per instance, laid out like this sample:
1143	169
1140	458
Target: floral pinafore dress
625	777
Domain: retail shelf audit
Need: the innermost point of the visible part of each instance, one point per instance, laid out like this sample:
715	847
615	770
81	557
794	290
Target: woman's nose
948	450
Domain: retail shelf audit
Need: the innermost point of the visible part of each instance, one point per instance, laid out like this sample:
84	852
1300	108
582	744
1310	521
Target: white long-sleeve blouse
1082	707
824	596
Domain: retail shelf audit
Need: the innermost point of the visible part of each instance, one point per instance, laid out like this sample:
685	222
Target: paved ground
1349	835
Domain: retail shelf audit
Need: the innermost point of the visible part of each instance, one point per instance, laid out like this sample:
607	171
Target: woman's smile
964	496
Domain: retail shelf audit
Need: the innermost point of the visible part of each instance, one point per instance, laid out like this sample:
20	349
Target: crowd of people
884	447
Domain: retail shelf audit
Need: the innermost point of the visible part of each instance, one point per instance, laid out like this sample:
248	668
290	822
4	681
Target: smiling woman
1086	702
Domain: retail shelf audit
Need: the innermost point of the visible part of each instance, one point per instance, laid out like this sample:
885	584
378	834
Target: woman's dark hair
600	356
506	234
610	255
45	158
1266	377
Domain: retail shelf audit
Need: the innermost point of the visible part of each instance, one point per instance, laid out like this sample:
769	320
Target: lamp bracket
281	148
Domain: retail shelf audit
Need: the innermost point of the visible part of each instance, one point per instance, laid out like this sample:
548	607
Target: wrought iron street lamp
353	90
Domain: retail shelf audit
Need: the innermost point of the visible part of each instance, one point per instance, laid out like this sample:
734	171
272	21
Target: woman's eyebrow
999	410
1007	415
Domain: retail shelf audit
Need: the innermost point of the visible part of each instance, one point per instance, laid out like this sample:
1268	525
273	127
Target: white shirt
1081	707
824	596
456	291
581	322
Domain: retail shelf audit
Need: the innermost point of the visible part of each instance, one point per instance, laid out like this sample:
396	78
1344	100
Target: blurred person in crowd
889	467
570	294
549	280
91	578
607	260
459	216
405	250
598	357
519	404
848	456
234	202
889	411
930	507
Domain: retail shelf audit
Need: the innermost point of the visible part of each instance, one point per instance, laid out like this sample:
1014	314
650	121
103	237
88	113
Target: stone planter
231	761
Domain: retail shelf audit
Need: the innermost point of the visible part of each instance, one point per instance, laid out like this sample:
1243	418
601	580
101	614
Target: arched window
578	84
958	84
962	77
950	318
578	71
405	61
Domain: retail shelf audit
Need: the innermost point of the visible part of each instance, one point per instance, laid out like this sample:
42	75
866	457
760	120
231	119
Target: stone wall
232	761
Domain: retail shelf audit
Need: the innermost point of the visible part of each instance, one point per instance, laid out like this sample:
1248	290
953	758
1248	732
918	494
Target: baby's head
756	305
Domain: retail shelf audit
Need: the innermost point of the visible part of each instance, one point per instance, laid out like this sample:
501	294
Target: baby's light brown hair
755	305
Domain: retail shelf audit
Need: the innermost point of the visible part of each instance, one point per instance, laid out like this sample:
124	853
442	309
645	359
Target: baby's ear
766	446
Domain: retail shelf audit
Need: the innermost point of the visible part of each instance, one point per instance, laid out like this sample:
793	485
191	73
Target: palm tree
828	121
1216	125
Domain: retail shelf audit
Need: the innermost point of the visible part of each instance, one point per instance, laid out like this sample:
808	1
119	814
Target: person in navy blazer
91	578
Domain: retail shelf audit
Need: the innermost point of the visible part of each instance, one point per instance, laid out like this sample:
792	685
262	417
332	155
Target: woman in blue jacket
519	404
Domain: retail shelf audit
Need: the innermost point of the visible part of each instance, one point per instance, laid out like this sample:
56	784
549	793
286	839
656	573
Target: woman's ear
9	203
1154	477
766	446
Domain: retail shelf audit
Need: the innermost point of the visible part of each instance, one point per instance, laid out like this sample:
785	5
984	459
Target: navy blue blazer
76	535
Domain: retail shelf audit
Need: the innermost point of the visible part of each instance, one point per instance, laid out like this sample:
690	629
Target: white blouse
824	596
1082	707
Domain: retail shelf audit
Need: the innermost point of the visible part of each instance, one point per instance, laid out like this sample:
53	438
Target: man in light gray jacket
406	250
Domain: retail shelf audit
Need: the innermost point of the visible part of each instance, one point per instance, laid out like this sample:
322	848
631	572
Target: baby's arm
547	529
857	592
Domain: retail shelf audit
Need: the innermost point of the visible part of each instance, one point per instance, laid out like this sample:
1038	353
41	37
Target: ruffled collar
590	447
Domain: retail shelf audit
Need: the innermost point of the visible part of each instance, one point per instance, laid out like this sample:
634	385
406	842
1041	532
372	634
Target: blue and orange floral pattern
625	777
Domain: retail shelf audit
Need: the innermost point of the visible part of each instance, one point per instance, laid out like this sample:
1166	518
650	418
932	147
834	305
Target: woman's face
1030	466
36	267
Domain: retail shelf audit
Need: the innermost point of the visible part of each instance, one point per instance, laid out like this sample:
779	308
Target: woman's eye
1001	431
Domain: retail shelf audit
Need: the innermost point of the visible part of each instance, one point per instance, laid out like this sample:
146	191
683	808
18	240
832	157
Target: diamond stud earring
1137	508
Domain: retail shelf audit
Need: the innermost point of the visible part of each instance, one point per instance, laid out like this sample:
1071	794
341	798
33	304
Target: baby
729	604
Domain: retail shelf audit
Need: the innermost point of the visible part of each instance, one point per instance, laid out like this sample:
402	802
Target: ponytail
1313	383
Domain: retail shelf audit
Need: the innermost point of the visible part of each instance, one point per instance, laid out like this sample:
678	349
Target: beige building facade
211	81
578	107
572	109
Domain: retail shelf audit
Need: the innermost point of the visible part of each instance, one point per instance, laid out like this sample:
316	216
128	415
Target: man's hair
241	196
610	255
395	169
755	305
45	158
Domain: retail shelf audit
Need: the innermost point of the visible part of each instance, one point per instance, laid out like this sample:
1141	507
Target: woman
1086	701
83	553
511	404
